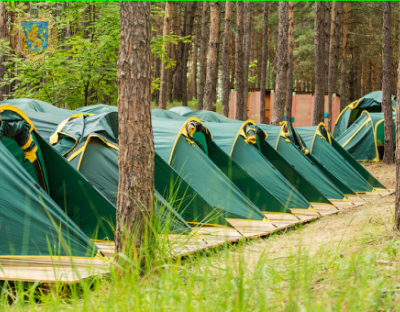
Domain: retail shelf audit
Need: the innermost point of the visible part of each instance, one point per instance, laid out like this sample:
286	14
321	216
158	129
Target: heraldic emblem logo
37	36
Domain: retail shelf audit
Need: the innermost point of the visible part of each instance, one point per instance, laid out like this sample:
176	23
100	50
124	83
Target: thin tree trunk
282	65
3	35
215	85
191	9
215	11
240	101
289	96
165	71
319	38
259	57
157	63
203	46
194	69
333	57
232	62
397	206
225	59
264	62
388	157
246	61
327	25
344	56
136	146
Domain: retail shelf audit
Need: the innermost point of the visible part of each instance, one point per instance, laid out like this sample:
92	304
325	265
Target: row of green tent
209	170
359	128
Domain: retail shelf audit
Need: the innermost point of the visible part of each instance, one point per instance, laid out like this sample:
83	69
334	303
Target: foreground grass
347	262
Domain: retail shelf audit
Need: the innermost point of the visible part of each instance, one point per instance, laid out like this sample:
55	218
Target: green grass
347	262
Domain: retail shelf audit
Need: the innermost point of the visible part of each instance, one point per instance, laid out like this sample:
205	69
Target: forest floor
344	262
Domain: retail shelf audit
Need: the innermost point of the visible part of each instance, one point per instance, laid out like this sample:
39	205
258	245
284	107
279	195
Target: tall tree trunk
3	35
136	146
193	83
246	61
259	56
225	59
191	9
333	57
388	157
165	71
282	65
157	63
216	77
397	206
264	62
344	56
177	91
327	25
203	46
240	101
215	11
232	62
289	96
319	38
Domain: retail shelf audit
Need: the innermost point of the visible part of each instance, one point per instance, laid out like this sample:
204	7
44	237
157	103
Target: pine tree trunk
136	146
225	59
264	62
240	101
289	96
157	64
191	9
216	77
343	102
282	64
232	62
164	88
333	57
246	61
3	35
177	91
215	11
388	157
397	205
203	46
327	25
259	57
193	83
319	38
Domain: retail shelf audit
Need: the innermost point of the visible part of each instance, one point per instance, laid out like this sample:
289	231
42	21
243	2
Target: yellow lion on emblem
33	37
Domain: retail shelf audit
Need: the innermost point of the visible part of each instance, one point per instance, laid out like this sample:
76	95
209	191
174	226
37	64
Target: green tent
162	113
36	106
209	116
90	143
71	191
32	223
97	109
372	102
181	110
337	163
365	138
282	140
272	191
188	155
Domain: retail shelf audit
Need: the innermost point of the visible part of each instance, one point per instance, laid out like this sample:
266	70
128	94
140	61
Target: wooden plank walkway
67	270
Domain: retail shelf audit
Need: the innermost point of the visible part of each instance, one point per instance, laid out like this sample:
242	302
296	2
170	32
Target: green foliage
83	69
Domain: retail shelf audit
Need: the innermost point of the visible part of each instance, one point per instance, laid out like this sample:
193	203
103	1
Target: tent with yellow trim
71	191
365	138
336	162
32	218
260	181
183	144
90	144
371	102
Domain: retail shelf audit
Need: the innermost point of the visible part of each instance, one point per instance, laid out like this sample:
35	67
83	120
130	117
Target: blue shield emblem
34	37
34	13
